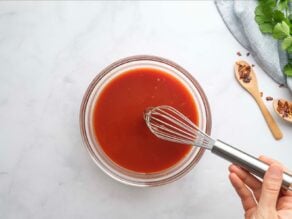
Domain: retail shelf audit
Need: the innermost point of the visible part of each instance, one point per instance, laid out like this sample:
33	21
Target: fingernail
275	171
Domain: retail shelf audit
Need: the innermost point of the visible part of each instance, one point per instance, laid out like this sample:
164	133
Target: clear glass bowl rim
85	137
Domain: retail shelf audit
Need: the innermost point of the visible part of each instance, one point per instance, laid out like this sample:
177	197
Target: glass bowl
98	155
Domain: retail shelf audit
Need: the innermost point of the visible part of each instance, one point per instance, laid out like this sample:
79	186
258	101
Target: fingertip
262	157
277	165
269	160
233	168
266	159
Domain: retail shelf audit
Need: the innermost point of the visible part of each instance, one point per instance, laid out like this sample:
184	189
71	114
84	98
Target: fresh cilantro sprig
273	18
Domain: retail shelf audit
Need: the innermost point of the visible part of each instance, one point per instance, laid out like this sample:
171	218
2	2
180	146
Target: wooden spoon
252	88
275	104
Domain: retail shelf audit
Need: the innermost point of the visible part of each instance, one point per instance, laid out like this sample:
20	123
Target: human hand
262	200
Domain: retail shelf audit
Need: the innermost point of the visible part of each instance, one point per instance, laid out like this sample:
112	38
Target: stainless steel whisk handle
247	162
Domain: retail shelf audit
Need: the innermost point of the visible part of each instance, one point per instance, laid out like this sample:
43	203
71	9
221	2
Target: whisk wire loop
169	124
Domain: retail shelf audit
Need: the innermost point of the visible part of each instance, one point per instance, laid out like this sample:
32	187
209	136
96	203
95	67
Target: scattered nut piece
285	109
268	98
281	85
238	53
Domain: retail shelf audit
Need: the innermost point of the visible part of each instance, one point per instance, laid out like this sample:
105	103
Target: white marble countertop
50	51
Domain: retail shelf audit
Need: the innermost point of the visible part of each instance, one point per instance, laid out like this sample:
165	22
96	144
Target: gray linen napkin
239	19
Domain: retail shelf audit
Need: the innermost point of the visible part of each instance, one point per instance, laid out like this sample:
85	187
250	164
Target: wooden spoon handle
277	133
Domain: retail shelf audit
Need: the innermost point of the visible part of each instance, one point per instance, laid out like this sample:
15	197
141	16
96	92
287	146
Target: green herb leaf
283	4
259	11
281	30
278	16
287	42
265	8
268	3
289	49
288	70
273	17
266	28
260	19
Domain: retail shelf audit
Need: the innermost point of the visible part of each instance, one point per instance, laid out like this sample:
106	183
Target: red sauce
119	125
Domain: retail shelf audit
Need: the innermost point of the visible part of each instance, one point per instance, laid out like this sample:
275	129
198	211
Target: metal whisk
169	124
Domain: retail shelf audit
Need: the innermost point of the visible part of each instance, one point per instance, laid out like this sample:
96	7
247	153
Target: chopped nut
238	53
244	72
252	65
285	109
281	85
246	80
268	98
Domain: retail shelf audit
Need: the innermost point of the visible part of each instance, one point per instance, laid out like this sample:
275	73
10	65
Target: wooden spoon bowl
252	86
275	104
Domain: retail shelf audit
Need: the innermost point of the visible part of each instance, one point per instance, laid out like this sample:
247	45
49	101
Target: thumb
271	187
